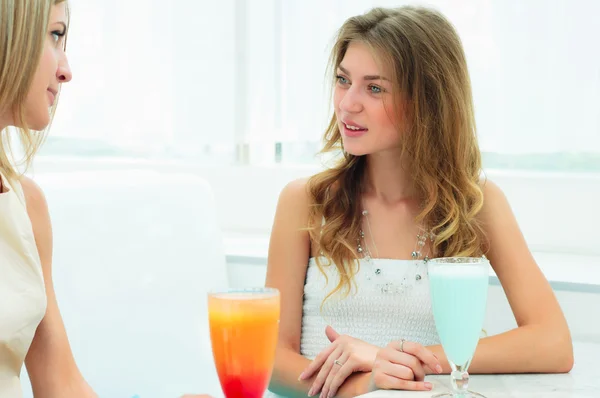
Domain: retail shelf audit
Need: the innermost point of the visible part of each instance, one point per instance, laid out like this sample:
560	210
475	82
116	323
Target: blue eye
342	79
57	35
375	89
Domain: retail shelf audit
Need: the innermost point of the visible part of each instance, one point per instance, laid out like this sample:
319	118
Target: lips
352	129
353	125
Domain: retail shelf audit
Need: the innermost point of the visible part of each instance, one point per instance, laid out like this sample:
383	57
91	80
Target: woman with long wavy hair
349	245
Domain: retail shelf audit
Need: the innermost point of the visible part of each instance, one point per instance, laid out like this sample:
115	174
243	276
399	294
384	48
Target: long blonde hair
23	29
429	71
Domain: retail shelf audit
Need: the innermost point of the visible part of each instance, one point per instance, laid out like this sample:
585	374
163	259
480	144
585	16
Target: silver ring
402	341
337	362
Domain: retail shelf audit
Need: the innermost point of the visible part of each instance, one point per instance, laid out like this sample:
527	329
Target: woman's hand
402	365
343	357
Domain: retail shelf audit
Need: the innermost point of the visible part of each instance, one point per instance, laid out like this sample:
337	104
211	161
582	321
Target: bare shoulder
295	193
37	209
491	190
34	197
291	215
293	203
494	200
503	234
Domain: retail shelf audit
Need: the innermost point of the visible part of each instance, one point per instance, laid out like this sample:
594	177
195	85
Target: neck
388	177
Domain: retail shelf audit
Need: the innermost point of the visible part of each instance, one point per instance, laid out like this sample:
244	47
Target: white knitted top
390	301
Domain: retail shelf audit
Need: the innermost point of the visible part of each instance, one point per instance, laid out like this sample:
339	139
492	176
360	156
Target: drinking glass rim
261	292
462	260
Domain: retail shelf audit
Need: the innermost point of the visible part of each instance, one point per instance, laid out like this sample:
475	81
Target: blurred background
185	119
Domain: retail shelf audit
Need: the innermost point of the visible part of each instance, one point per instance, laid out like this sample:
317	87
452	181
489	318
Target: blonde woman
33	66
349	246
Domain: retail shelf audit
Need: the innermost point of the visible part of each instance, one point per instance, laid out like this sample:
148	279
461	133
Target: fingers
414	365
319	360
410	362
423	354
324	372
395	367
343	364
331	334
340	376
403	370
317	363
386	381
391	375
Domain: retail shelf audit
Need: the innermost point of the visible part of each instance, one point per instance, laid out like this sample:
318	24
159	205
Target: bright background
234	92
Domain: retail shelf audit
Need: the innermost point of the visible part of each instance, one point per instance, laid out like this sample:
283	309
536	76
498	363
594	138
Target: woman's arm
542	342
50	364
289	252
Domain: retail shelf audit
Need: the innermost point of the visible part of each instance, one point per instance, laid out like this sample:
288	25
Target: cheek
43	74
388	119
385	115
37	104
48	63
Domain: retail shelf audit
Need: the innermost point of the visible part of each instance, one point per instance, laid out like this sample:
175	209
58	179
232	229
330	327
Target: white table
582	382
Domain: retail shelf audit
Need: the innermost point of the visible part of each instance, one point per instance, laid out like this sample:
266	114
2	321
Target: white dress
22	292
390	302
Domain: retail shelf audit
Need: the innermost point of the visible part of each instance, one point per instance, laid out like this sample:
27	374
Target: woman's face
364	105
52	71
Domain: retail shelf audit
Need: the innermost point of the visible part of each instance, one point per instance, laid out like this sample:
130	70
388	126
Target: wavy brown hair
431	82
23	30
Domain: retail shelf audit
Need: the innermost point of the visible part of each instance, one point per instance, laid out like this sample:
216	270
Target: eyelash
58	34
339	79
371	87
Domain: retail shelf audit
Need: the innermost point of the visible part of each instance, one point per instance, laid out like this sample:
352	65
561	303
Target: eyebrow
367	77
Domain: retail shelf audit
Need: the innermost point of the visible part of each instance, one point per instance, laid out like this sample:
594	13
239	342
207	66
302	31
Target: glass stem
460	380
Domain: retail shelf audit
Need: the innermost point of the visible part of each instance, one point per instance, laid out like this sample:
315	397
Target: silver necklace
417	254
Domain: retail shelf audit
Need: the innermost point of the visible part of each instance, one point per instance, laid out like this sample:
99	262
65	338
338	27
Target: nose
351	101
63	72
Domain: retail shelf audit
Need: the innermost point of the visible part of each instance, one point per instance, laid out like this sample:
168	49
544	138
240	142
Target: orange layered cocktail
244	325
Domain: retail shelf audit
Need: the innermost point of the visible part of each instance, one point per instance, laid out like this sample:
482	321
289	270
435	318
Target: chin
356	150
39	123
38	127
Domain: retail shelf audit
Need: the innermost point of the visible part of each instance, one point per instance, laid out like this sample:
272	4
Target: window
151	79
237	80
233	86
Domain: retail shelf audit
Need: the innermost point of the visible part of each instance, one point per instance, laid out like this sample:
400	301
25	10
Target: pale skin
540	343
